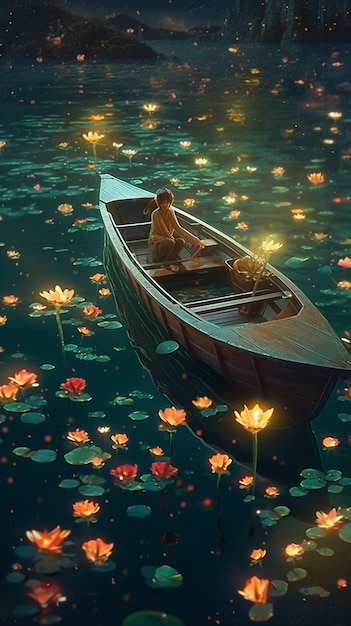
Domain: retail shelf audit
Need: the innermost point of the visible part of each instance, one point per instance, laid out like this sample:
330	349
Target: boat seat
191	265
216	304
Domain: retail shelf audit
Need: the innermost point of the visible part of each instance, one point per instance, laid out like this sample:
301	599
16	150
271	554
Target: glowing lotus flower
85	331
269	246
202	402
11	300
8	392
220	463
344	284
346	262
2	144
329	520
278	171
92	311
65	208
316	178
13	254
201	162
44	593
48	541
92	137
125	474
254	419
330	442
173	417
104	293
294	550
156	451
74	385
96	117
97	551
255	590
162	470
58	296
151	107
257	555
78	436
246	482
97	462
24	379
86	509
185	144
271	492
3	320
98	278
103	430
120	440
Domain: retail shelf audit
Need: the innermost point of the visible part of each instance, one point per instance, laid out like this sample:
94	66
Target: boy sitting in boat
164	223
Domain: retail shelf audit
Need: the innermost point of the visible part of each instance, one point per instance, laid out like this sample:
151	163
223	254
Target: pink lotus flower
125	474
161	470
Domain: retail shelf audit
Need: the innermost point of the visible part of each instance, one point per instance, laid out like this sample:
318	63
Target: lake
256	141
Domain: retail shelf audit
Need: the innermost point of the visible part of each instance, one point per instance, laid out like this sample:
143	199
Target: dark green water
247	112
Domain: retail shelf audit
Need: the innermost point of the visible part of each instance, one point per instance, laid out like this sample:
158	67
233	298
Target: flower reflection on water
181	517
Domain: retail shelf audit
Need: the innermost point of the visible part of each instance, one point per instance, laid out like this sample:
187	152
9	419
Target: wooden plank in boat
194	264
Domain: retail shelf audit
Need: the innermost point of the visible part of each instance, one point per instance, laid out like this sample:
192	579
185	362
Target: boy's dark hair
164	194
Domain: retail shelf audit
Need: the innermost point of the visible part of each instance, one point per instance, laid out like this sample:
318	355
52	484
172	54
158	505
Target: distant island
40	29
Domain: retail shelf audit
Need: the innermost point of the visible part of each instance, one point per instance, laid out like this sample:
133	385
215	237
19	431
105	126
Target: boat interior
203	280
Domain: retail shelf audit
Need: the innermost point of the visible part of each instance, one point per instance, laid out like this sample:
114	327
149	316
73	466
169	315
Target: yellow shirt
163	225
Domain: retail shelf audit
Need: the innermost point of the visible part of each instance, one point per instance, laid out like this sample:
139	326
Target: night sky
175	14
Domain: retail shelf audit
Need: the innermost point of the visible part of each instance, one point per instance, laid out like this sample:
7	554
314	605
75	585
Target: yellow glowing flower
2	144
278	171
8	392
84	330
97	551
151	107
103	430
97	462
78	436
173	417
85	509
104	292
92	137
330	442
185	144
316	178
3	320
255	590
96	117
65	208
10	299
13	254
202	402
246	482
48	541
201	161
294	550
257	555
254	419
269	246
344	284
98	278
58	296
272	492
329	520
220	463
156	451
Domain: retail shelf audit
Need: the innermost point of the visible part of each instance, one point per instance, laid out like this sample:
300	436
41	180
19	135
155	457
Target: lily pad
167	577
345	533
312	483
296	574
325	551
33	418
17	407
298	492
311	473
138	416
167	347
82	455
69	483
23	451
315	532
139	510
91	490
261	612
277	588
44	456
47	366
110	325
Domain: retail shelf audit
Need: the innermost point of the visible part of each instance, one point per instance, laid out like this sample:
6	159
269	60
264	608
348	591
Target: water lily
78	436
257	555
97	551
44	593
329	520
172	418
3	320
125	474
255	590
24	379
48	541
74	385
330	442
10	300
345	262
254	420
86	509
202	402
93	138
316	178
119	441
92	311
8	393
162	470
58	297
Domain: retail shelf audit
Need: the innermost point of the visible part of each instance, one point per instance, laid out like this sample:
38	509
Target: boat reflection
286	447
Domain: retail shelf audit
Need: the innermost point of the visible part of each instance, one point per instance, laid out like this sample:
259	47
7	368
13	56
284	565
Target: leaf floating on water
139	510
17	407
82	455
23	451
32	418
167	347
296	574
110	325
295	261
138	416
69	483
277	588
91	490
98	414
44	456
167	577
261	612
311	473
325	551
47	367
345	533
298	492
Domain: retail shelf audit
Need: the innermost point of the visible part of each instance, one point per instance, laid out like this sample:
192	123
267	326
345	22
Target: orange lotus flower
316	178
173	417
11	300
104	292
86	509
254	419
120	440
125	474
329	520
65	208
103	430
246	482
202	402
92	137
271	492
3	320
330	442
344	284
92	311
13	254
48	541
220	463
43	593
257	555
97	462
98	278
346	262
78	436
294	550
74	385
58	296
156	451
162	470
97	551
85	331
24	379
255	590
8	392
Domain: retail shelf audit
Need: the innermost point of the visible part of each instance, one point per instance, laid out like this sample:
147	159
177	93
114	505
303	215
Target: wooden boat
276	344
